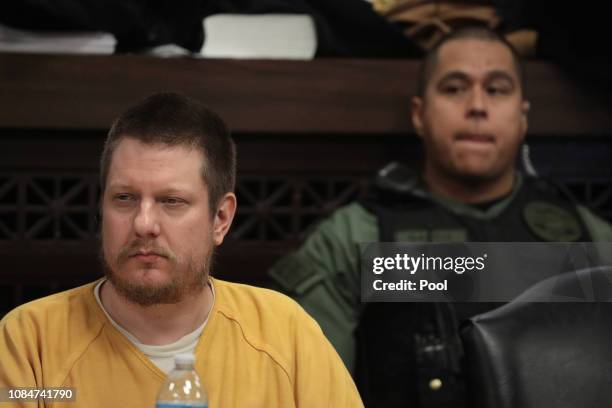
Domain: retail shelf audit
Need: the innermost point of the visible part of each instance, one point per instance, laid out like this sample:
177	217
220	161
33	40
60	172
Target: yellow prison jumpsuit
258	349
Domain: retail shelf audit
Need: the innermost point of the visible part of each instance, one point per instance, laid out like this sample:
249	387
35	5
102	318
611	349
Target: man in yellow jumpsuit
167	180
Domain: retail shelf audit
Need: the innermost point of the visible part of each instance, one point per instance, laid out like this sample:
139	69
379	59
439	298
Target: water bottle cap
184	358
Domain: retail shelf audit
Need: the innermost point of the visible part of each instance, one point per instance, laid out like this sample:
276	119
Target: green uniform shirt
323	275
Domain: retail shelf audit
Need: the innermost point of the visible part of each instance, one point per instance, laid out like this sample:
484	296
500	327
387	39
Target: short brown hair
176	120
465	33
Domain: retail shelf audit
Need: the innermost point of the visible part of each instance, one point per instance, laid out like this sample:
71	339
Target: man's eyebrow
173	190
453	75
166	190
119	186
499	74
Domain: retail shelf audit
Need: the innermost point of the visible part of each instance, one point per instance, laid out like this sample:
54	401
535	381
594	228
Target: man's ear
525	106
416	114
223	217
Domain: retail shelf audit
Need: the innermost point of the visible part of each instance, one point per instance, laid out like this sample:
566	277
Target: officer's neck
469	190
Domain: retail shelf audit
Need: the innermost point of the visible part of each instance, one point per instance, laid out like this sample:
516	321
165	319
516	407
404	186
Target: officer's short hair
430	60
176	120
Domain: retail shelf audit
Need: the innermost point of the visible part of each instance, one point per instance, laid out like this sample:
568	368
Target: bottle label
180	404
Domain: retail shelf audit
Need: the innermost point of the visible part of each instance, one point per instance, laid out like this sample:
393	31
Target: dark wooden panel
561	106
264	96
321	96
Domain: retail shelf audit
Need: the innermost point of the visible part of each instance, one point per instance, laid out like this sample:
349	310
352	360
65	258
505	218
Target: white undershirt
161	356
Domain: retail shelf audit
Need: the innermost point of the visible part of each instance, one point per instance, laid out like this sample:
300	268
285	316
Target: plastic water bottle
183	387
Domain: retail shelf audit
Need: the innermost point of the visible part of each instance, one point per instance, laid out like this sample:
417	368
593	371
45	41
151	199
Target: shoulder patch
294	276
551	222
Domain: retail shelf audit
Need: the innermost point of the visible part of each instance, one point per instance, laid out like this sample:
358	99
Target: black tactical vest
410	354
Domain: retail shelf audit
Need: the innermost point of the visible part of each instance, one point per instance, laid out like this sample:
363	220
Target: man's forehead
474	57
130	143
134	155
136	150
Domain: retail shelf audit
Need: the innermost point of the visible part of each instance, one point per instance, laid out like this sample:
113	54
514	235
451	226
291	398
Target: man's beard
187	277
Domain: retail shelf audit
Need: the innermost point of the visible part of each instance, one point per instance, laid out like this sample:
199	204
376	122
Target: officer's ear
525	106
416	114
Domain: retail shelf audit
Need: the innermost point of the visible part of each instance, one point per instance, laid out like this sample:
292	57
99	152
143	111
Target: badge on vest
551	222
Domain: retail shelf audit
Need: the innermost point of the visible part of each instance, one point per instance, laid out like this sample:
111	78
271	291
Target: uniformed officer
471	115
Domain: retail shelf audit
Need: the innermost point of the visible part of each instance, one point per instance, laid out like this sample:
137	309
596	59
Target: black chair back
536	352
